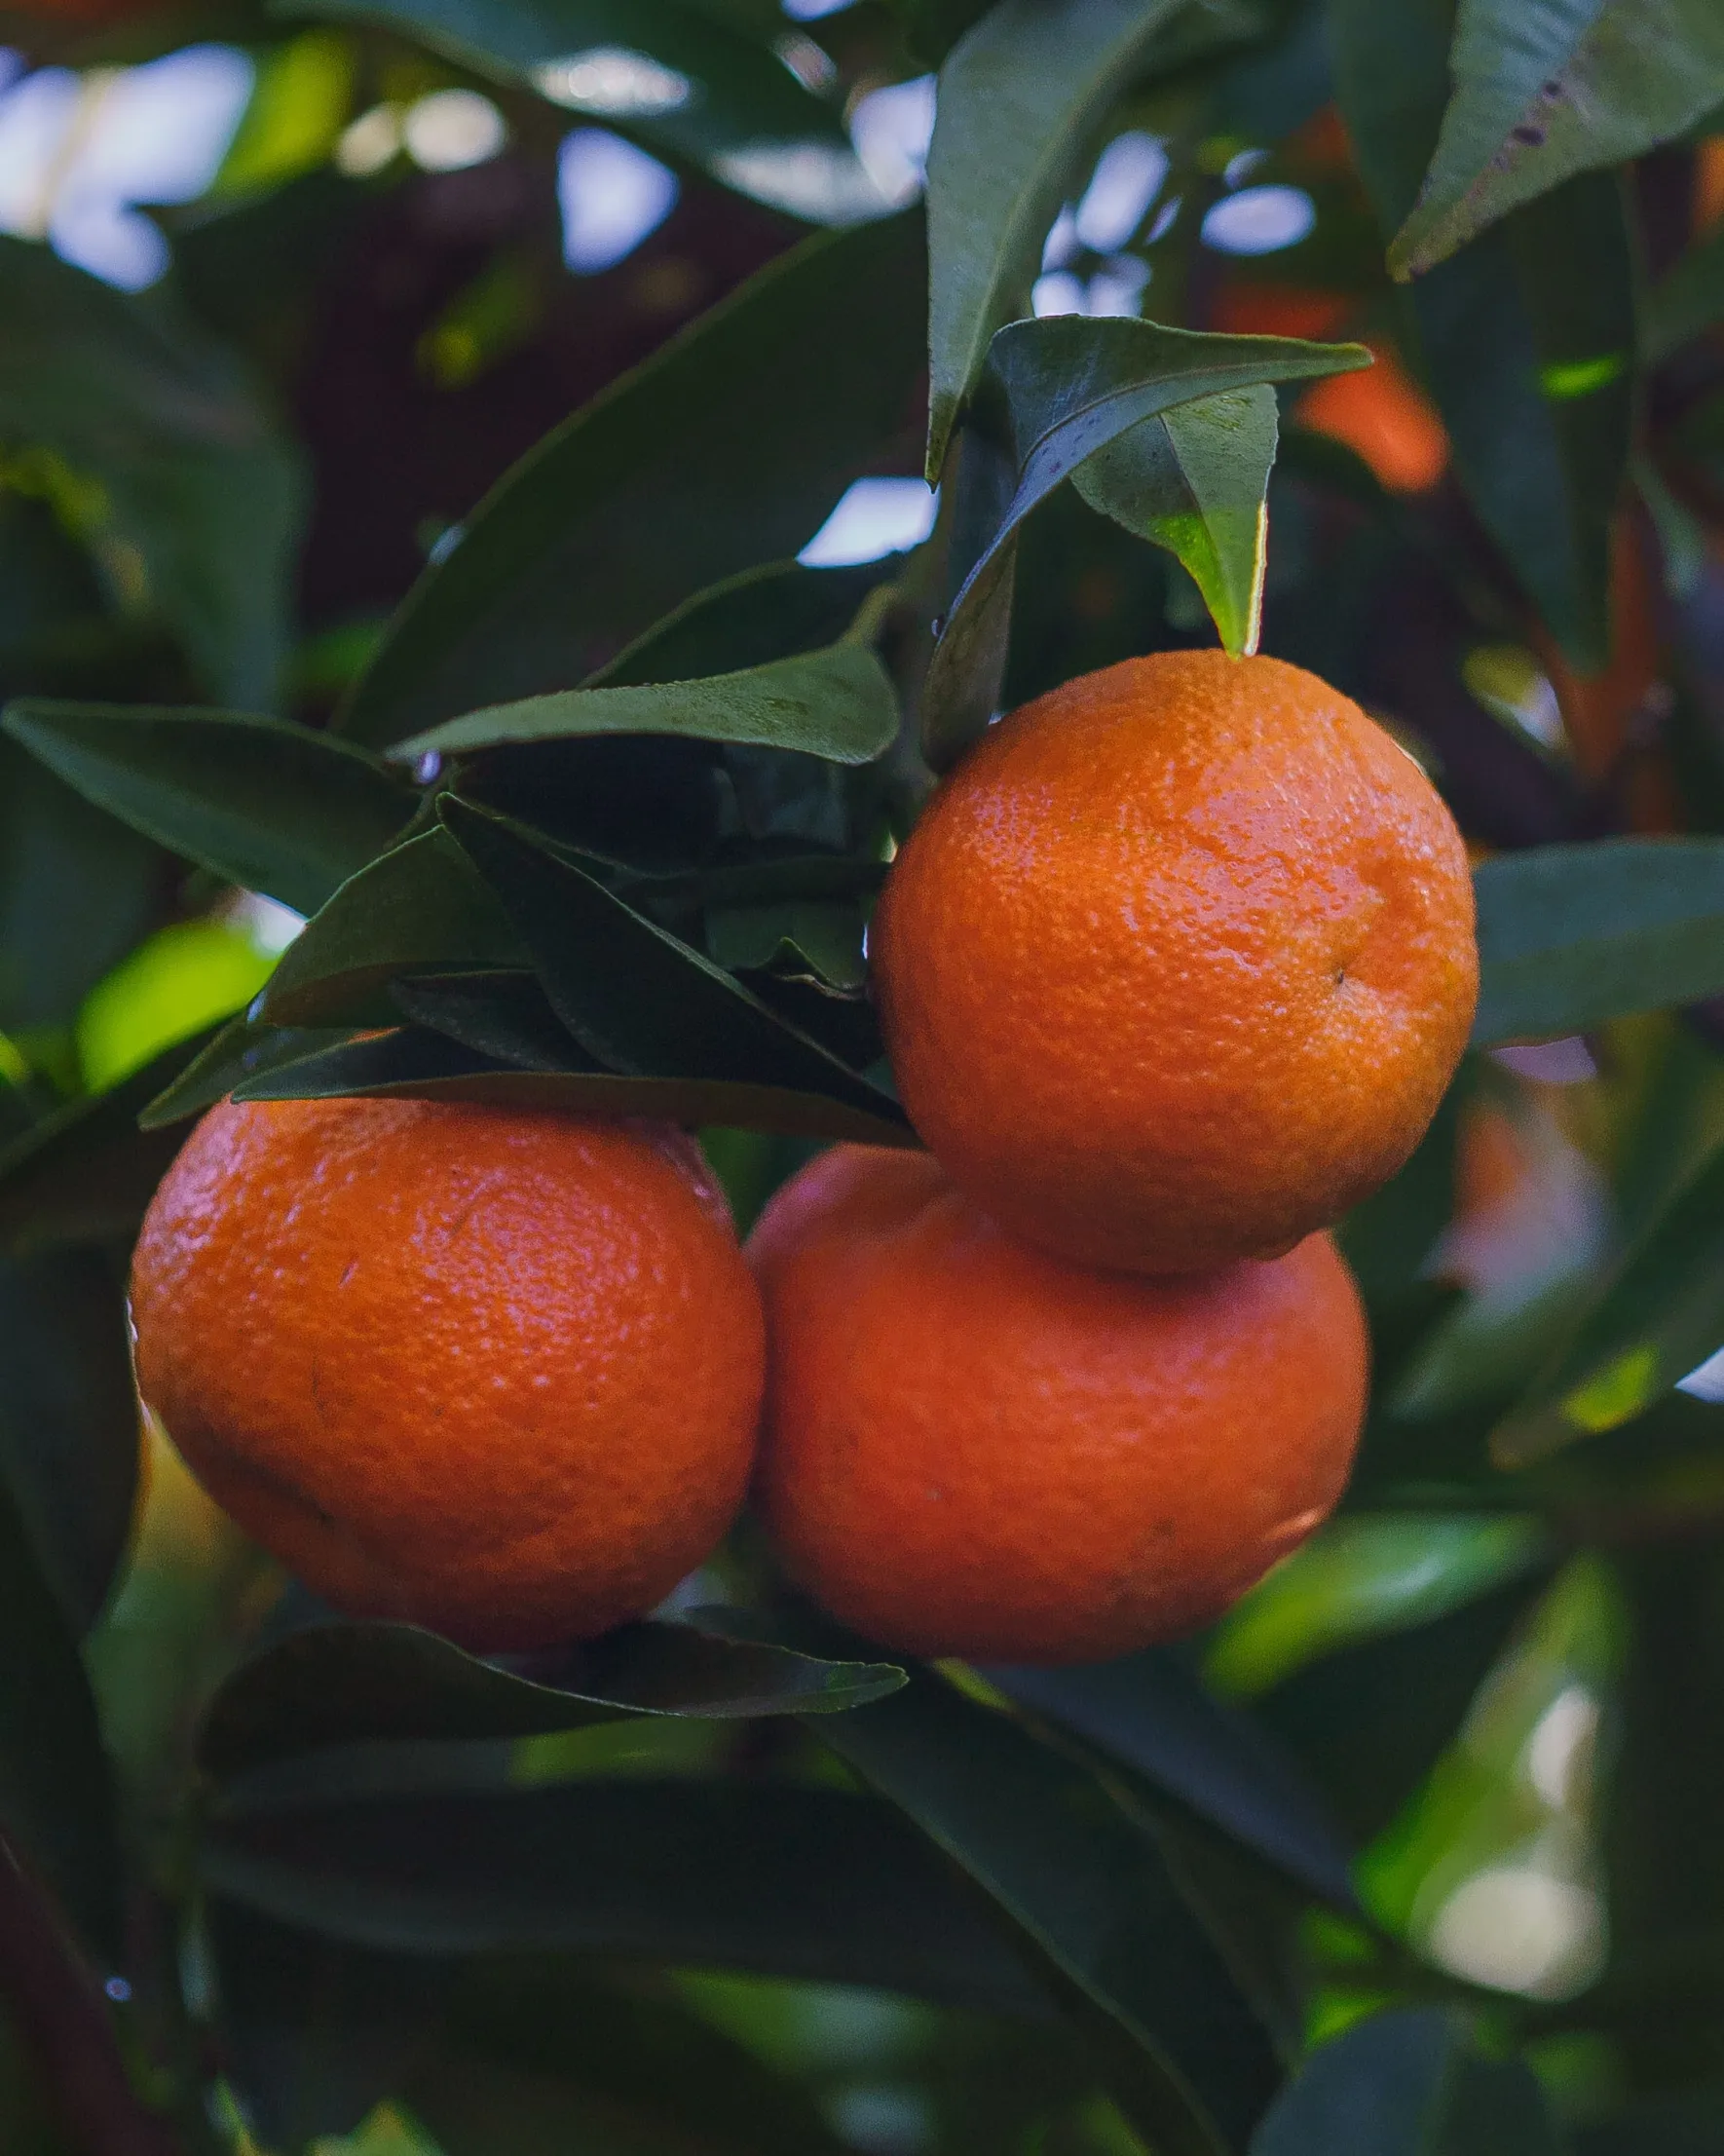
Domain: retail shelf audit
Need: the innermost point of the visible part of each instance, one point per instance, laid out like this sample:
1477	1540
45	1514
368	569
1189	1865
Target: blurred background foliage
1419	1849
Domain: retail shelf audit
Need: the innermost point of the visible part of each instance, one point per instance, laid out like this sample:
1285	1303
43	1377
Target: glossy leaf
1087	1889
1196	482
637	999
1151	1713
1020	96
195	497
414	1065
69	1418
259	802
775	611
86	1173
421	908
1658	1314
789	1881
350	1684
1527	338
723	450
1542	93
1570	936
243	1049
1687	299
728	102
1071	388
1409	2084
838	703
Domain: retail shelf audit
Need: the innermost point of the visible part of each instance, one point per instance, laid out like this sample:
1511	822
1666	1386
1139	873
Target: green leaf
56	1792
784	1880
1570	936
86	1173
1021	95
76	893
1361	1578
1409	2084
189	501
727	101
775	611
421	908
409	1063
1085	1886
838	704
1196	482
1065	389
69	1418
1544	92
1151	1713
637	999
1687	299
723	450
260	802
243	1049
1658	1314
1527	338
352	1683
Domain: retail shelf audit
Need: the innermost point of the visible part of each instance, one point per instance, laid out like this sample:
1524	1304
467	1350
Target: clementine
1381	413
498	1373
971	1448
1177	964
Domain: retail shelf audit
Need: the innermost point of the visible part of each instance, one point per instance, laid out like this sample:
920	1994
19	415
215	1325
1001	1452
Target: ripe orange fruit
1177	963
971	1448
496	1373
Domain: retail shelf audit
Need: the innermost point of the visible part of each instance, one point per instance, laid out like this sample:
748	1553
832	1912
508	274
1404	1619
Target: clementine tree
1069	651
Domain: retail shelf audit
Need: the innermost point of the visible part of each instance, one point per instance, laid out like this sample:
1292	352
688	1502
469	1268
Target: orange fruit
971	1448
496	1373
1177	964
1382	414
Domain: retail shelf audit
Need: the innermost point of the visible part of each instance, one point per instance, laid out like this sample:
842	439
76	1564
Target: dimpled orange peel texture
496	1373
1177	963
971	1448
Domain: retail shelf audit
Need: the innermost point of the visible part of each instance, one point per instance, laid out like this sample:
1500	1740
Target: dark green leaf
838	703
747	620
785	1882
608	2058
503	1015
428	1066
723	450
422	908
1152	1713
352	1684
69	1418
86	1173
260	802
1570	936
195	496
1545	91
1527	338
727	101
1688	299
1089	1892
76	893
811	938
1409	2084
1069	387
1196	482
56	1795
314	2034
1021	95
243	1049
1685	2123
636	998
1658	1314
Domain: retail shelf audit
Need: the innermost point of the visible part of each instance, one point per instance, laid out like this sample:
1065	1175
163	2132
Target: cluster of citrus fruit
1174	969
